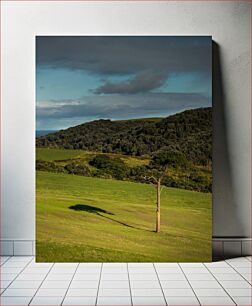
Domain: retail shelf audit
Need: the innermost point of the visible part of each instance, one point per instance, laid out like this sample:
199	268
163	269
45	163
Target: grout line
96	300
238	272
189	283
70	284
131	298
220	284
16	276
41	283
9	257
246	258
160	283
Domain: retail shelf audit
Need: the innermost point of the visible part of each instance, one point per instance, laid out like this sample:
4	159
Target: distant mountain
44	132
190	132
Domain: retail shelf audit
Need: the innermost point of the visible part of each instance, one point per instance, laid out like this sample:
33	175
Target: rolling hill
189	132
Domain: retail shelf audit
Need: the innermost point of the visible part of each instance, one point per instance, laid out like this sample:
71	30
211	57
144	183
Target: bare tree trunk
158	206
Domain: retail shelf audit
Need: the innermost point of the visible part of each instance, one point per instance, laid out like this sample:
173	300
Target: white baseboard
222	247
17	247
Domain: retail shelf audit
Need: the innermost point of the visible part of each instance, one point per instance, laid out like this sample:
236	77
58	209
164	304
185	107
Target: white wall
227	22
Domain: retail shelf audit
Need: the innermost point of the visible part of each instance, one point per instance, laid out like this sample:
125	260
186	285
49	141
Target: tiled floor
24	282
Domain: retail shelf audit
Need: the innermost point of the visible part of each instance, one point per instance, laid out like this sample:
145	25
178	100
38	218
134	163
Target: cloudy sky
83	78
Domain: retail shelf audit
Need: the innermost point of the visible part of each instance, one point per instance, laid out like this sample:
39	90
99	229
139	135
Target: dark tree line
189	132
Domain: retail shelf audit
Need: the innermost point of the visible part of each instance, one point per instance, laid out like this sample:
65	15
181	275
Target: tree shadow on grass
99	212
90	209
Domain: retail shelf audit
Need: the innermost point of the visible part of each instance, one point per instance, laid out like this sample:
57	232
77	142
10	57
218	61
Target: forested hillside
189	132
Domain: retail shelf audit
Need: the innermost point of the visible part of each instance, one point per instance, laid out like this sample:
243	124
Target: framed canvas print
123	148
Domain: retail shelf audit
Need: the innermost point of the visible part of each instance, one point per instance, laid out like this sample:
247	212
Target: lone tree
159	167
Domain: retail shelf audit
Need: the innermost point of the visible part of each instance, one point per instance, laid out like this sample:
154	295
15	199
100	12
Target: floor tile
5	283
19	292
25	284
235	284
172	276
144	270
140	264
14	264
248	277
9	270
165	264
114	284
82	292
87	269
115	264
55	284
221	300
168	270
201	276
3	259
190	300
118	276
243	270
59	265
21	258
30	276
119	269
191	264
79	301
36	270
15	300
114	292
47	300
195	270
85	276
40	265
94	264
102	300
217	264
236	259
243	300
115	287
146	300
8	276
51	292
220	270
139	276
210	292
145	284
178	292
175	284
239	291
241	264
63	270
146	292
204	284
84	284
59	277
229	276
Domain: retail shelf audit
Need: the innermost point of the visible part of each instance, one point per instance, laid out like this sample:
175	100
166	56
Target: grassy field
90	219
61	156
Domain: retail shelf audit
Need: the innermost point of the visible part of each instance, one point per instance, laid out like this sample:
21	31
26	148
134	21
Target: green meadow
92	219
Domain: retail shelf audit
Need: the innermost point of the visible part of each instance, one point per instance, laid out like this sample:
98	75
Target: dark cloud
125	55
141	83
117	106
143	62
